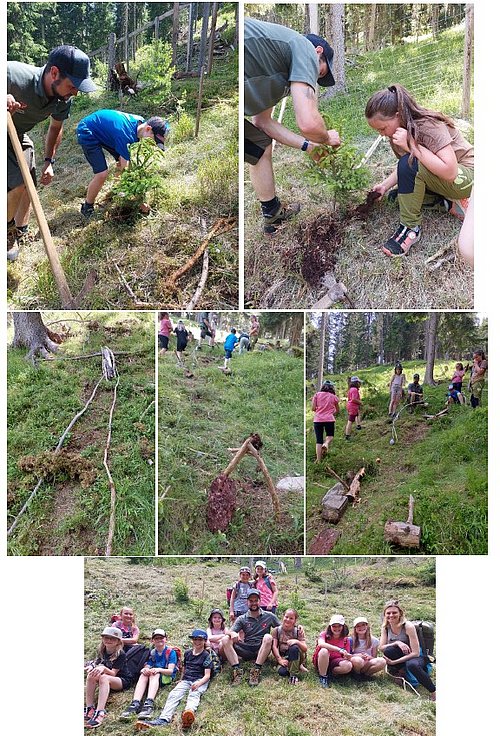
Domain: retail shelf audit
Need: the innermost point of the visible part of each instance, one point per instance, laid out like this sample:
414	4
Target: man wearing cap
281	62
256	625
113	131
33	95
415	391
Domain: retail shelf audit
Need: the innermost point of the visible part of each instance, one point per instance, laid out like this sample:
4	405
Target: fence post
200	97
203	37
111	58
468	40
157	28
212	39
175	32
192	27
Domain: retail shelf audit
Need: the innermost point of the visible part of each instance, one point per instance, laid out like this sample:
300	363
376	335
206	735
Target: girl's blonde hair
128	608
355	637
103	653
396	99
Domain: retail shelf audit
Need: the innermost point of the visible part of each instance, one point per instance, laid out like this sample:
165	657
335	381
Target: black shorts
328	427
163	341
256	142
246	651
14	175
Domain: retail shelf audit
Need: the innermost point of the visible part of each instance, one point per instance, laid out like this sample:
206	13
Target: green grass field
442	463
67	516
200	417
350	586
200	186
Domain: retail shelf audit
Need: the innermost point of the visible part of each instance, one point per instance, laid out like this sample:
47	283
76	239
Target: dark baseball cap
74	64
328	80
160	129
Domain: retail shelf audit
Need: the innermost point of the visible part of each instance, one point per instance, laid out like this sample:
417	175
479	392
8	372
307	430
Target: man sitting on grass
415	391
256	625
113	131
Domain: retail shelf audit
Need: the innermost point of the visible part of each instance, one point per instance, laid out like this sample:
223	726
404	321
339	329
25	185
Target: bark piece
323	542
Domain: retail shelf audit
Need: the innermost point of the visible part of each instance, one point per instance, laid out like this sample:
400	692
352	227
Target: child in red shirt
354	404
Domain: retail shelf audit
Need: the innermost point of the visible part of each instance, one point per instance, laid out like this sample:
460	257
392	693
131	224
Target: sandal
401	241
97	719
88	713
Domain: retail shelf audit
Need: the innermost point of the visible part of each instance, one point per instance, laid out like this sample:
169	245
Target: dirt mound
62	464
221	503
363	210
316	246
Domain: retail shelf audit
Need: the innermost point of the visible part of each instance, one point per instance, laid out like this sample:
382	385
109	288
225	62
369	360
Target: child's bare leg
348	428
90	689
319	452
153	685
95	186
140	688
106	683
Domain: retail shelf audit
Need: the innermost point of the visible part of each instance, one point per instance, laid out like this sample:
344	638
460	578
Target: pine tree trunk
337	17
31	333
321	360
431	335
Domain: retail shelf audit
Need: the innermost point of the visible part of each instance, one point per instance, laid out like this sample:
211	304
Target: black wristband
304	145
50	160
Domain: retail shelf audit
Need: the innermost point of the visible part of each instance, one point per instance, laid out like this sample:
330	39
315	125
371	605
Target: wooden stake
200	98
269	480
55	264
112	512
332	472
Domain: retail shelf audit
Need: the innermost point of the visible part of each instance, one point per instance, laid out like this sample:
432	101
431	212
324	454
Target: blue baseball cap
74	64
328	80
160	129
198	633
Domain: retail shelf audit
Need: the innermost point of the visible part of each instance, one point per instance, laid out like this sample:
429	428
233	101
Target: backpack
237	587
136	657
216	664
168	679
426	638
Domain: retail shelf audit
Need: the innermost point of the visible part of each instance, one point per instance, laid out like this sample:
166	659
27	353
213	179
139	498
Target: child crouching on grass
289	646
195	681
436	163
159	670
107	672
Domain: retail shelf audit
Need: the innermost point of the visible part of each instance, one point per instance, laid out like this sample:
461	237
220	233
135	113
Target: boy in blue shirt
113	131
229	344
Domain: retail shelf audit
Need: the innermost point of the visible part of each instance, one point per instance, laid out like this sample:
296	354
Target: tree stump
403	533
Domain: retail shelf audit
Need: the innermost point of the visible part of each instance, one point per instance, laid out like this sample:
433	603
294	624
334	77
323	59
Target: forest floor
201	413
287	270
133	256
352	587
70	513
441	462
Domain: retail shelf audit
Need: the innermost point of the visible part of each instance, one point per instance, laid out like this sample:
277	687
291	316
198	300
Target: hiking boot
88	713
187	719
144	725
12	242
359	426
254	678
401	241
97	719
131	710
237	676
347	437
273	222
458	208
147	709
87	211
323	681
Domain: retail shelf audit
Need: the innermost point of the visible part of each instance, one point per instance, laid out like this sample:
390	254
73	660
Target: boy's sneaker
87	211
359	426
254	678
12	242
401	241
458	208
88	713
131	710
323	681
283	214
96	720
144	725
347	437
187	719
237	676
147	709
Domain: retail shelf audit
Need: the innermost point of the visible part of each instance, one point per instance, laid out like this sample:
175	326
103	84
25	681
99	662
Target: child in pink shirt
353	406
325	405
166	328
458	377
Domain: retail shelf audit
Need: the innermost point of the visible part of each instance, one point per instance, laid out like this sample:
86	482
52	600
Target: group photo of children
386	394
230	432
223	631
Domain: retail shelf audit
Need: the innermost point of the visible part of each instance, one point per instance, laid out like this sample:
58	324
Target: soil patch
315	248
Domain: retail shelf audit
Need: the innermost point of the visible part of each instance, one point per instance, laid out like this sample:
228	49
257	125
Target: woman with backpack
400	647
264	582
289	646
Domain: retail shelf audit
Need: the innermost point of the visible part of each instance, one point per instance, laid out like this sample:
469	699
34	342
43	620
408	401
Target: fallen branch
147	409
112	512
355	486
125	284
201	285
441	251
438	264
221	226
332	472
58	447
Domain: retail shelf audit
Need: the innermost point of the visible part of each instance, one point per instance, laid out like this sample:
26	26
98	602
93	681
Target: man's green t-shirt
275	56
25	83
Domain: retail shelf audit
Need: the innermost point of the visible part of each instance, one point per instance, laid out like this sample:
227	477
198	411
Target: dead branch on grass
112	512
201	285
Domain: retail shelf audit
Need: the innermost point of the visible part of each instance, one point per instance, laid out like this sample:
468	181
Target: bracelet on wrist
304	145
50	160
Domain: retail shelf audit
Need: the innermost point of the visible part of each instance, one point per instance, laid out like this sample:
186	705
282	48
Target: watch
304	145
50	160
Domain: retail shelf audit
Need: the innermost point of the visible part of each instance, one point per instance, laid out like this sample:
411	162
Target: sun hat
355	379
253	591
359	620
337	618
245	569
261	563
112	631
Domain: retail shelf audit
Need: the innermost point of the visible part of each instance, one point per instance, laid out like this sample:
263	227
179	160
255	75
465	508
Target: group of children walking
325	403
254	634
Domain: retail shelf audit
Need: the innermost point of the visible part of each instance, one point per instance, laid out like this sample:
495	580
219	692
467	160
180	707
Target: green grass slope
324	586
199	418
200	186
66	516
442	463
